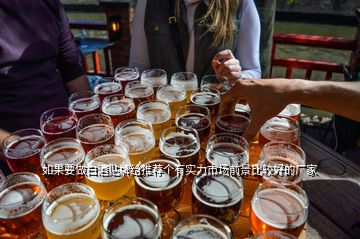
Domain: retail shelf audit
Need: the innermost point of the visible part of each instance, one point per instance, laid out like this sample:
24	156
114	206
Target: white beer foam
188	85
200	231
171	95
137	138
85	104
62	155
155	81
203	98
154	116
96	133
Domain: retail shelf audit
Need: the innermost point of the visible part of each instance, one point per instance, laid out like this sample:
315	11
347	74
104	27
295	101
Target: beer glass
157	113
280	128
139	137
163	185
139	92
209	98
124	75
108	86
278	155
292	111
195	117
58	123
227	149
211	82
71	211
131	218
243	110
231	123
174	95
188	80
218	196
119	108
20	206
201	226
154	77
274	235
84	103
94	130
67	153
107	183
278	207
22	150
181	144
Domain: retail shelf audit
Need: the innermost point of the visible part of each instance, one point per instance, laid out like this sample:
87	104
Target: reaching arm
269	97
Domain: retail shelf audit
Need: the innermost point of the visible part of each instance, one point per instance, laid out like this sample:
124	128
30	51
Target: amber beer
231	123
278	207
84	103
157	113
183	145
274	235
174	95
119	108
131	218
112	185
22	150
292	111
201	226
66	152
209	98
71	211
211	82
108	86
227	149
195	117
188	80
138	136
139	92
218	196
58	123
20	206
94	130
154	77
277	155
281	129
124	75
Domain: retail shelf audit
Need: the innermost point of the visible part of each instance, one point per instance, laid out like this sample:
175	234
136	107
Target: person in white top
240	62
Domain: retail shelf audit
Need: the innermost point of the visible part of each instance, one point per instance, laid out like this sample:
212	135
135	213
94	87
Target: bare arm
78	84
268	97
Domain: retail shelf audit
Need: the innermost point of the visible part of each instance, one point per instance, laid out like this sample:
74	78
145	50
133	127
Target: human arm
139	55
268	97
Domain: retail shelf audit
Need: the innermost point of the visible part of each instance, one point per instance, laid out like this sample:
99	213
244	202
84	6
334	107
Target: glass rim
230	135
87	159
136	201
194	106
134	83
200	91
173	86
284	185
146	105
100	115
72	116
190	130
130	122
198	217
162	71
107	101
291	120
81	95
186	73
292	146
122	68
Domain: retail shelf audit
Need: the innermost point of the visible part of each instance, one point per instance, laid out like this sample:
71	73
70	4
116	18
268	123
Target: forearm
79	84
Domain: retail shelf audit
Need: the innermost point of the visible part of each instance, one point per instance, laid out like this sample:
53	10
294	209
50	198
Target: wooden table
334	195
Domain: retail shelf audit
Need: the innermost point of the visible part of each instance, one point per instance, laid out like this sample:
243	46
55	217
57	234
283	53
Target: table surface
334	195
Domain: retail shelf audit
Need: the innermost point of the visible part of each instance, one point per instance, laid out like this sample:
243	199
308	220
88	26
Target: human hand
226	66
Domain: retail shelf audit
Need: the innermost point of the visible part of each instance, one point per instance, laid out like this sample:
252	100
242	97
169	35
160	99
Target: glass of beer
195	117
84	103
174	95
71	211
227	149
211	82
284	158
181	144
139	137
20	206
94	130
218	196
188	80
22	150
209	98
281	129
157	113
243	110
124	75
66	152
119	108
107	183
163	185
154	77
274	235
58	123
131	218
201	226
279	207
139	92
108	86
231	123
292	111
